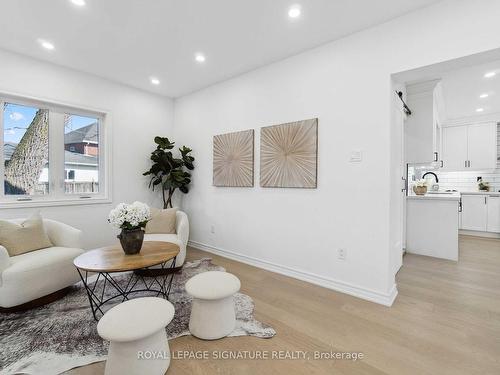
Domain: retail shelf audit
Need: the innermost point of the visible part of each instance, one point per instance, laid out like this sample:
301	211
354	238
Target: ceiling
130	41
462	90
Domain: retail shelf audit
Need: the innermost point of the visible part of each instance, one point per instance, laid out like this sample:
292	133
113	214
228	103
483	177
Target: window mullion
56	154
2	164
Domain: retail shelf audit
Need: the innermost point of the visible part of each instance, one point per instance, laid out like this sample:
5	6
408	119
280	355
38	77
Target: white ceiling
462	89
129	41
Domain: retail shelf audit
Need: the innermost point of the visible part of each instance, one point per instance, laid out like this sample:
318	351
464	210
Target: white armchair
180	237
30	276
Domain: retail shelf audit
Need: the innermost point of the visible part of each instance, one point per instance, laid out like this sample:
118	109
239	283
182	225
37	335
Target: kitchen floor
446	320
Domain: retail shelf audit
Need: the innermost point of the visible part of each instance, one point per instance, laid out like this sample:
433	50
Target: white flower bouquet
130	216
420	183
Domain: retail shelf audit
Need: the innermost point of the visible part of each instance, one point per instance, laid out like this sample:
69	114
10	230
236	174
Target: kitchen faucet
432	173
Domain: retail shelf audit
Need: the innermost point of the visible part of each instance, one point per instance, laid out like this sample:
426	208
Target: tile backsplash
467	181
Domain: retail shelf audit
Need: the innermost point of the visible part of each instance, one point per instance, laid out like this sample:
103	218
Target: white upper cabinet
482	146
454	149
469	147
421	127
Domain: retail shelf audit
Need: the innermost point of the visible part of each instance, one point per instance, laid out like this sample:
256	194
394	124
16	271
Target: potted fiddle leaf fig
168	172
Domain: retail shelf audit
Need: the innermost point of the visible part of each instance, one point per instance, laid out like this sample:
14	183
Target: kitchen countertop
480	193
455	196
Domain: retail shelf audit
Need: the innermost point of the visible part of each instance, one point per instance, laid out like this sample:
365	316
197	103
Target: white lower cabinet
474	212
481	213
493	213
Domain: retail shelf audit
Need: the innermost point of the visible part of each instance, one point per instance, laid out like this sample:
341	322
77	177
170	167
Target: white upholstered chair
180	237
30	276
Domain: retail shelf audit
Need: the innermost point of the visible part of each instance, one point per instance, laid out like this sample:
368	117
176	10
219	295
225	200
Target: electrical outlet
212	229
342	253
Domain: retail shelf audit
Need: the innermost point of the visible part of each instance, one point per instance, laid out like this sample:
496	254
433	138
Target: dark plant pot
131	240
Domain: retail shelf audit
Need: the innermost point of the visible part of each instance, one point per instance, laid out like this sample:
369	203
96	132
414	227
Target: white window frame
57	195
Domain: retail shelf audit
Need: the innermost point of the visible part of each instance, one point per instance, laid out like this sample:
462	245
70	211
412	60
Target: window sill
55	203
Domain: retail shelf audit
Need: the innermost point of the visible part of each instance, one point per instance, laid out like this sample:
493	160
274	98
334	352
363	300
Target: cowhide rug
63	335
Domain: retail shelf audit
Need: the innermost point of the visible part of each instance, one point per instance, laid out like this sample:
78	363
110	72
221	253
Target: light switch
356	156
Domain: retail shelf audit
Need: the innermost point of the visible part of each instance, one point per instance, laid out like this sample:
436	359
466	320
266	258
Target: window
81	145
51	153
70	175
25	150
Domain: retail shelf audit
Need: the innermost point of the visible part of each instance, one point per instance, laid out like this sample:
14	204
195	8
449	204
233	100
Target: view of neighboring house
81	160
84	140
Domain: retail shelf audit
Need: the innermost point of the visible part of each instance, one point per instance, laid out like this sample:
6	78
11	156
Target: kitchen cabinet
481	212
475	212
482	146
422	128
469	147
493	213
454	149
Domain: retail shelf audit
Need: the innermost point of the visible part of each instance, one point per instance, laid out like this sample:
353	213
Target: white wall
346	84
137	117
397	169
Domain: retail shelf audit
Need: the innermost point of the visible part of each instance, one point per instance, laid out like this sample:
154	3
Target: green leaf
163	143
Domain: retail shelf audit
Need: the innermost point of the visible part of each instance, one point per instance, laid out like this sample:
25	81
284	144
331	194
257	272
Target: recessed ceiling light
484	96
490	74
480	110
46	44
199	57
80	3
294	11
155	81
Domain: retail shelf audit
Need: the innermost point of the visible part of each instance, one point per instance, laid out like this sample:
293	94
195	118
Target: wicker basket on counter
420	190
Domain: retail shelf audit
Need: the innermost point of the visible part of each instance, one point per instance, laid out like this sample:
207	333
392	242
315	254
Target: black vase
131	240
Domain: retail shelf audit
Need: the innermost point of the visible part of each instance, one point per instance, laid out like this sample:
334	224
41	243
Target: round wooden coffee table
110	260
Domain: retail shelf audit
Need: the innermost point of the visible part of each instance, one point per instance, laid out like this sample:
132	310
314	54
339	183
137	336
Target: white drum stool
212	313
138	341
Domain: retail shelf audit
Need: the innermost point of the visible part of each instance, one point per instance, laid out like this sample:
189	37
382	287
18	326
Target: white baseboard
340	286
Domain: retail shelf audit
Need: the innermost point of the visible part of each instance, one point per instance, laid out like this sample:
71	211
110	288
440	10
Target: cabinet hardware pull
436	156
442	164
466	164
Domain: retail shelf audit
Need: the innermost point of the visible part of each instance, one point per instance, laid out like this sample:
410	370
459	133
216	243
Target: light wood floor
446	320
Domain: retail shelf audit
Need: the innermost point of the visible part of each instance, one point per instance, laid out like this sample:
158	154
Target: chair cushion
24	237
38	273
173	238
48	258
213	285
135	319
162	221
